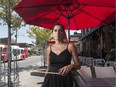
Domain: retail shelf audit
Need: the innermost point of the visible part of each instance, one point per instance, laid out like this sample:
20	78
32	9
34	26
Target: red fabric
84	13
52	41
103	3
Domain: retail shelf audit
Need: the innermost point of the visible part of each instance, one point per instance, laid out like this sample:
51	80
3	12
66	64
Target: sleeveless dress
57	62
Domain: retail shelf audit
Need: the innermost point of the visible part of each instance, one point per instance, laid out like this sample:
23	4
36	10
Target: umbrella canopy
73	14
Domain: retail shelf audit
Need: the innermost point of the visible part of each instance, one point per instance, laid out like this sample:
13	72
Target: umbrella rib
93	16
36	6
95	5
75	23
61	13
73	15
79	11
99	6
40	16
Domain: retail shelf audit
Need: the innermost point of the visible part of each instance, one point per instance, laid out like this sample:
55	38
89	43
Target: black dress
57	62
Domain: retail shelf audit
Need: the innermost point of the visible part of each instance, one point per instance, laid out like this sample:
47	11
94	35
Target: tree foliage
40	34
4	14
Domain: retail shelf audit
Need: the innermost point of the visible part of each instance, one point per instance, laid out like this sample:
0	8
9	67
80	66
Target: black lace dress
57	62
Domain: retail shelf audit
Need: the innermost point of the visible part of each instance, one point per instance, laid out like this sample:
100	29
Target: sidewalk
29	79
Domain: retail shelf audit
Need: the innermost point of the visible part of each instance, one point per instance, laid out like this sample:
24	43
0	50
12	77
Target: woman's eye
55	30
61	30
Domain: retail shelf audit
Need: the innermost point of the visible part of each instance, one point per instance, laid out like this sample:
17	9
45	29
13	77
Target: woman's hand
66	69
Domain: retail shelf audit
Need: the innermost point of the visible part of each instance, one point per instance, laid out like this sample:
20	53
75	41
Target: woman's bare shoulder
48	48
71	45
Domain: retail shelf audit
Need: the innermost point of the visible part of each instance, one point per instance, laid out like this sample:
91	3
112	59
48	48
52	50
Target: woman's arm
73	50
48	58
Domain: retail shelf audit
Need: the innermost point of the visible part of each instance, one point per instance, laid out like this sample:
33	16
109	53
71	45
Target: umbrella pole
68	30
68	18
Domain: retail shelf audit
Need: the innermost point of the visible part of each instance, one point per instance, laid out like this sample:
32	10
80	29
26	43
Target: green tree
4	14
40	34
41	37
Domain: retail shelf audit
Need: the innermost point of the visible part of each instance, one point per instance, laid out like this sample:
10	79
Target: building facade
99	41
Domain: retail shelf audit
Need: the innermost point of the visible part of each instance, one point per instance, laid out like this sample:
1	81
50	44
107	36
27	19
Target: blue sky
22	35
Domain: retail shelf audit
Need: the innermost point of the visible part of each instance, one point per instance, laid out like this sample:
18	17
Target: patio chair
114	66
90	61
82	60
109	63
99	62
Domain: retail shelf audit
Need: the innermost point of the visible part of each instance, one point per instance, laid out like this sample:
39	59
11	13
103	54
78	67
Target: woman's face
58	33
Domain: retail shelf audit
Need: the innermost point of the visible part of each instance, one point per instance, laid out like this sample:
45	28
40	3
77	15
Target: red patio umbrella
73	14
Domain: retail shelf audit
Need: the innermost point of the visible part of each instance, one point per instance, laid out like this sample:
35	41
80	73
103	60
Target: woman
59	57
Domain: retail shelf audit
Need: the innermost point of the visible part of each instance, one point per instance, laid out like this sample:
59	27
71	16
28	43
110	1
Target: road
30	61
27	62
